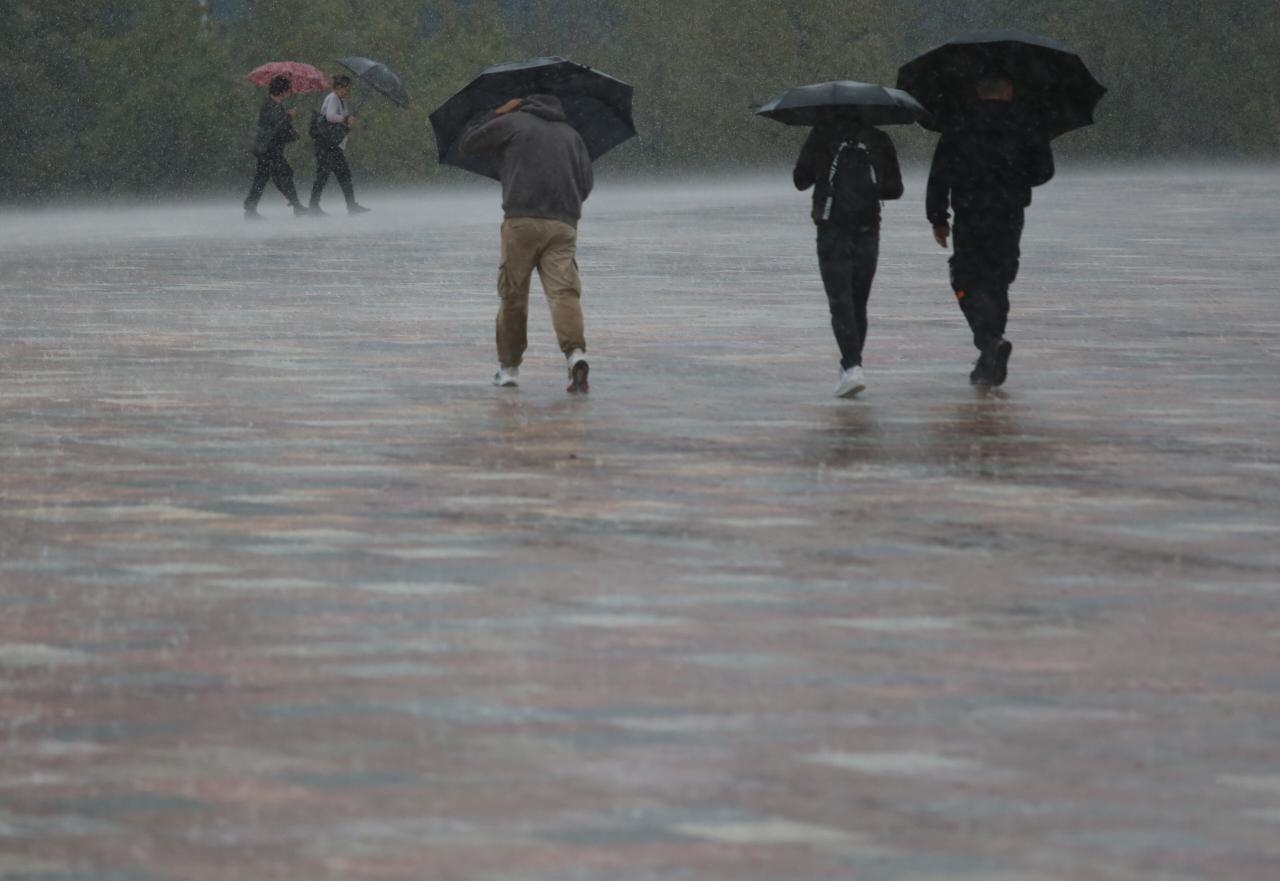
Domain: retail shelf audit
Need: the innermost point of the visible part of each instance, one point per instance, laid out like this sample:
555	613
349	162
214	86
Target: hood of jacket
546	107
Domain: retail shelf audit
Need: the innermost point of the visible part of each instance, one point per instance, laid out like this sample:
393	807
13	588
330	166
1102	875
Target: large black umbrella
1051	84
378	77
597	105
843	99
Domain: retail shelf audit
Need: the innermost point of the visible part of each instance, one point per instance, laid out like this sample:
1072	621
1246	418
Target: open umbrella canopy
378	77
303	77
1051	84
596	104
843	99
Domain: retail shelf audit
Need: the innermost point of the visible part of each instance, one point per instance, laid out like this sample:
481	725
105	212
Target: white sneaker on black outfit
851	382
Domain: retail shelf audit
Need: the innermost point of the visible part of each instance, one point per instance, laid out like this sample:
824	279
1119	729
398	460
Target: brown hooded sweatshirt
542	162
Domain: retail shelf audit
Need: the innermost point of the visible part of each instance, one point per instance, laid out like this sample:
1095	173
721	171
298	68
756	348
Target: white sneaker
851	382
578	370
507	377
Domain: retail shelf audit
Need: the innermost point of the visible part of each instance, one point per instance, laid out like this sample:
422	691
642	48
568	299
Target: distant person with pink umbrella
275	130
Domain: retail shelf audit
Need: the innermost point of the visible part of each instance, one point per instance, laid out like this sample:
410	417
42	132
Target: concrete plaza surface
288	591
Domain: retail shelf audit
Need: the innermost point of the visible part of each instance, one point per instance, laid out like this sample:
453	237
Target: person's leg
342	172
558	269
282	173
1007	245
999	301
261	174
521	247
865	256
974	278
835	263
980	305
323	167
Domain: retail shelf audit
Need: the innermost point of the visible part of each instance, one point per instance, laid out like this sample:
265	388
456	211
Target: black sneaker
317	211
578	377
252	214
353	209
981	374
1000	353
301	210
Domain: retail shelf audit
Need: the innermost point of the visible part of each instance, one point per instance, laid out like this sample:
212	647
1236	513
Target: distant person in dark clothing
851	167
275	129
331	147
984	168
546	175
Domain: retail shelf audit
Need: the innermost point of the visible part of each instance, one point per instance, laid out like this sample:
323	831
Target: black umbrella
843	99
1050	82
378	77
597	105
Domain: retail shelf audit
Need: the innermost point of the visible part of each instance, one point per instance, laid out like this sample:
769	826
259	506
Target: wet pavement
290	592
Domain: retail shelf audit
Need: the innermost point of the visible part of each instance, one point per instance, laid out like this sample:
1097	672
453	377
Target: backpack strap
831	180
835	166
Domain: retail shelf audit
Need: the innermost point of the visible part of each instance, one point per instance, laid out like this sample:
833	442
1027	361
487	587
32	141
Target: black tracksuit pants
847	260
984	262
332	159
272	166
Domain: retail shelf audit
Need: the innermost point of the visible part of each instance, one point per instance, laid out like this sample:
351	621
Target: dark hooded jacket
542	161
275	128
988	165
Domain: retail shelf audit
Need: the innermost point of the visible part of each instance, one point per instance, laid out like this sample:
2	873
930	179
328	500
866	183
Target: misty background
109	97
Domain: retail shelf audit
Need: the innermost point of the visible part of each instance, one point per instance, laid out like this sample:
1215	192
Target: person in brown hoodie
545	171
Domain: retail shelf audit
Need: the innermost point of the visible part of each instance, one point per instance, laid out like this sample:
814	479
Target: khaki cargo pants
549	246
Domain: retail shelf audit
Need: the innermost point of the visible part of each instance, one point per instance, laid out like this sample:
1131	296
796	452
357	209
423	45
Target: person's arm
888	171
1040	163
485	133
585	175
262	134
802	174
938	192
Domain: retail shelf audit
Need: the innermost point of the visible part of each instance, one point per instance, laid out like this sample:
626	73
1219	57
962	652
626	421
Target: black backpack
851	196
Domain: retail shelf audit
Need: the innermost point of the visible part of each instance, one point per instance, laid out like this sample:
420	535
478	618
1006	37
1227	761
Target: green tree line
150	96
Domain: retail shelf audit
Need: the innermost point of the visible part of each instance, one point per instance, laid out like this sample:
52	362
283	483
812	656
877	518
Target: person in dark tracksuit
984	170
275	129
851	167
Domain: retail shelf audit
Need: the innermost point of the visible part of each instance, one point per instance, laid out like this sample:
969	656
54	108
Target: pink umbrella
304	77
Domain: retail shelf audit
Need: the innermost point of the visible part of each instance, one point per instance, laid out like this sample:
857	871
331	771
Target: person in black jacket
851	167
985	169
275	129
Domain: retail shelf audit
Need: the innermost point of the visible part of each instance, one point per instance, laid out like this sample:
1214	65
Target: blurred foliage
149	96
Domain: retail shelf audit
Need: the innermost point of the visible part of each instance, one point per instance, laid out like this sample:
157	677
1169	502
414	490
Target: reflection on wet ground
289	591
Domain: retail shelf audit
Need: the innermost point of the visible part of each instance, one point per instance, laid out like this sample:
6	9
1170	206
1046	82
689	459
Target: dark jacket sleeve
802	175
888	171
938	194
486	133
287	133
583	173
1039	163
